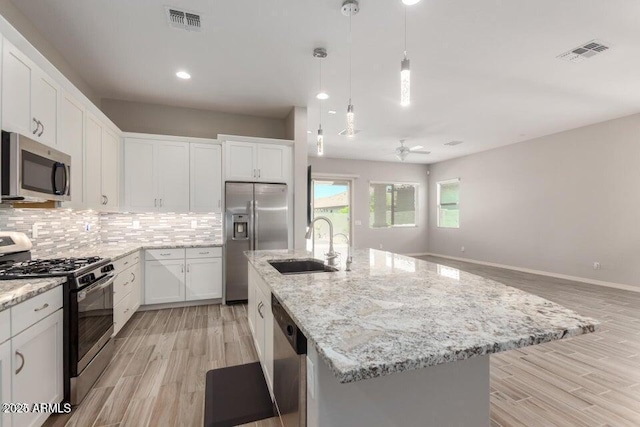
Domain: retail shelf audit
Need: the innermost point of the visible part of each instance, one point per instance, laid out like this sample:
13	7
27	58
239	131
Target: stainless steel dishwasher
289	368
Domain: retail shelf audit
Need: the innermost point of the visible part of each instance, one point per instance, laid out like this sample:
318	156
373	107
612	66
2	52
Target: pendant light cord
350	58
405	31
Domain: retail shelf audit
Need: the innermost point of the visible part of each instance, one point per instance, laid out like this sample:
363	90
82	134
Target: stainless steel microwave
32	171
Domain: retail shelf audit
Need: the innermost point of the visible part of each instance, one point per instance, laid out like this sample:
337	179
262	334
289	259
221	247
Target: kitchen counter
13	292
119	250
394	313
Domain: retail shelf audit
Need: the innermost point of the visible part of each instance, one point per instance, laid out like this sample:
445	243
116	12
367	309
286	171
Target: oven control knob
107	268
87	278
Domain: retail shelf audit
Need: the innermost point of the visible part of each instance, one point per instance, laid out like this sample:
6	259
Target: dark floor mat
236	395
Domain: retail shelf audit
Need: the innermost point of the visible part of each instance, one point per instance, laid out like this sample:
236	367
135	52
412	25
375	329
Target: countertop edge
38	286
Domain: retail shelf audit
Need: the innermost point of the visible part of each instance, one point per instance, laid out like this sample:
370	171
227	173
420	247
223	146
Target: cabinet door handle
188	268
219	203
160	202
21	363
106	200
126	263
125	283
155	203
42	131
37	126
182	268
165	254
45	305
126	311
260	309
133	277
259	173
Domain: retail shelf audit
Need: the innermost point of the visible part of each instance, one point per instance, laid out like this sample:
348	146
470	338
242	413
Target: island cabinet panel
450	394
261	323
5	381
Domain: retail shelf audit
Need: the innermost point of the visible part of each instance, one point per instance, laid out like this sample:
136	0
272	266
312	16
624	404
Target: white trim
179	304
541	273
439	205
240	138
170	138
339	177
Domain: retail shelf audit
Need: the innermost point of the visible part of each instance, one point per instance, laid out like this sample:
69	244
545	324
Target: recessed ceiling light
332	111
322	95
183	75
410	2
417	147
308	131
452	143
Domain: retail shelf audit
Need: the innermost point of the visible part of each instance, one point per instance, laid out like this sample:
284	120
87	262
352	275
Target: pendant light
350	8
320	53
405	71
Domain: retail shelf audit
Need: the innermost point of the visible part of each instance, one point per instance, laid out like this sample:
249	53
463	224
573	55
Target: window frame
439	205
416	200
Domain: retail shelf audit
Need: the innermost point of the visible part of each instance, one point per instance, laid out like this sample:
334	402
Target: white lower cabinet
191	275
126	290
204	278
5	381
36	374
261	323
164	281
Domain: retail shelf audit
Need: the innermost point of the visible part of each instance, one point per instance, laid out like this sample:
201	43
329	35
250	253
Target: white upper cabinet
206	178
240	161
139	174
70	141
273	162
93	162
256	162
156	175
102	171
29	97
110	169
173	176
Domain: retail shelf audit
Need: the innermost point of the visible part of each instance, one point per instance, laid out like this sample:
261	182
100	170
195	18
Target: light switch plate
34	231
136	224
194	223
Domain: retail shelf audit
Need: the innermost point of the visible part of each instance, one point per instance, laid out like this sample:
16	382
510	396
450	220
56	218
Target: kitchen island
403	342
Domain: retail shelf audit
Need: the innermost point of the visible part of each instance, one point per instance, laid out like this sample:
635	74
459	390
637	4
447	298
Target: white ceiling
483	71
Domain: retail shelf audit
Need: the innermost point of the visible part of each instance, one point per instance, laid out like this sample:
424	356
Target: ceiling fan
402	152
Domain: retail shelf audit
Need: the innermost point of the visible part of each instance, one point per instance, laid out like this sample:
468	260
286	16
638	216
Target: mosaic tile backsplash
59	230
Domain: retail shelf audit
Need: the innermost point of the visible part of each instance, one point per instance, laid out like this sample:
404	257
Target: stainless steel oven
90	331
31	171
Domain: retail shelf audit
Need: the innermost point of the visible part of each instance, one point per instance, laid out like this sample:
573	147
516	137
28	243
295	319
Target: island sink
301	266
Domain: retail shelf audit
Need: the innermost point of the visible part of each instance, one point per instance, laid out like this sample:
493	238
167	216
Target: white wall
411	240
168	120
556	204
296	130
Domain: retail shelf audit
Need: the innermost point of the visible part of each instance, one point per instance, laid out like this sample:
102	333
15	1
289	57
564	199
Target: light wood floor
157	375
591	380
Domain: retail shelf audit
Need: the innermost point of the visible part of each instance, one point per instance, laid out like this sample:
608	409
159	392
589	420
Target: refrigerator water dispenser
240	227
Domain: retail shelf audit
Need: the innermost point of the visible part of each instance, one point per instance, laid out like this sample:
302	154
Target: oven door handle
100	284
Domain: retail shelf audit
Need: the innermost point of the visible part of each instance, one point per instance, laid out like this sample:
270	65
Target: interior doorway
331	199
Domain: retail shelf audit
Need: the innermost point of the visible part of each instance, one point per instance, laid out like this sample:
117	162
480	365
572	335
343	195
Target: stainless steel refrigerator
255	218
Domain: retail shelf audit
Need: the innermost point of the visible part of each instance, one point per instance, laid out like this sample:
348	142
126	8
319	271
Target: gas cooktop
49	267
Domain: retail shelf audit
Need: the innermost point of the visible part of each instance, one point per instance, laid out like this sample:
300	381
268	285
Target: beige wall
402	240
167	120
20	22
557	203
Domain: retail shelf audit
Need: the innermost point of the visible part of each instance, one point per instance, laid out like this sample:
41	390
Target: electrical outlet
34	231
596	265
87	227
380	245
462	249
136	224
194	223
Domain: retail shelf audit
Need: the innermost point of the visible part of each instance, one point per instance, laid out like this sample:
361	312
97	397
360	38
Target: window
449	204
392	205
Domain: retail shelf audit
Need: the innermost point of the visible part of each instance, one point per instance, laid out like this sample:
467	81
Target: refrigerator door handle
255	224
252	230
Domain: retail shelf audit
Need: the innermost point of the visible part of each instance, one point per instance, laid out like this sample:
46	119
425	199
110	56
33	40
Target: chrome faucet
331	255
349	257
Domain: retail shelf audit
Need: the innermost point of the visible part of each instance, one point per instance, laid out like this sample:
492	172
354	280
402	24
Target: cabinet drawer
124	283
5	325
122	312
126	262
161	254
213	252
35	309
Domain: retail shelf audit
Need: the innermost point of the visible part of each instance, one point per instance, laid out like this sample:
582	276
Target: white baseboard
418	254
180	304
541	273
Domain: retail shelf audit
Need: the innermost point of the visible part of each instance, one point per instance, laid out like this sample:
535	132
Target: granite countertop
119	250
13	292
394	313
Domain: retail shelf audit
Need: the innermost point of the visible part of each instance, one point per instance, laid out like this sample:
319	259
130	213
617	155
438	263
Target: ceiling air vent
183	20
452	143
585	51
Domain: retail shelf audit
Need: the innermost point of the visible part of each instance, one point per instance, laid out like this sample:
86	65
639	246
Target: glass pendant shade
320	143
351	131
405	82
